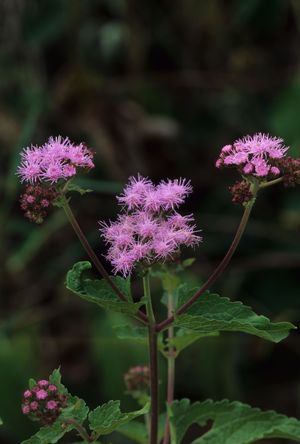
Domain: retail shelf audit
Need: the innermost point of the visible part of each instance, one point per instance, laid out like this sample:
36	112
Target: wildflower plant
146	241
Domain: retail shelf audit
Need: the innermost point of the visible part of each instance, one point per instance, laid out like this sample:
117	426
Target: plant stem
153	359
271	182
171	368
220	268
94	258
81	430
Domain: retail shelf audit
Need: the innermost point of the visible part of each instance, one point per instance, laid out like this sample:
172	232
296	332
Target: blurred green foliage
156	87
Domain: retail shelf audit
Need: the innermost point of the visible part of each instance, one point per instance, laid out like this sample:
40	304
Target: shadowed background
155	87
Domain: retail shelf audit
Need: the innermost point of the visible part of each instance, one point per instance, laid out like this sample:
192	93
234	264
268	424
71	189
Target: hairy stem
171	367
94	258
153	359
81	430
220	268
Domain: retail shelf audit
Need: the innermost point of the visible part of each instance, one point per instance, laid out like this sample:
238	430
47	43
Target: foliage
212	314
99	291
233	422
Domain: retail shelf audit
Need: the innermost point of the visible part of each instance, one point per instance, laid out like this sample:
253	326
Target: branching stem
220	268
94	258
81	430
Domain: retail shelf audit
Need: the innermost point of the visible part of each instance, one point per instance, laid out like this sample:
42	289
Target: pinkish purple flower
52	388
254	155
57	160
43	383
41	394
149	229
26	409
34	405
51	405
27	394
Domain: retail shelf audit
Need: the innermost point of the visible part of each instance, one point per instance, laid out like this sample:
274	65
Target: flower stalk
84	242
153	361
220	268
171	356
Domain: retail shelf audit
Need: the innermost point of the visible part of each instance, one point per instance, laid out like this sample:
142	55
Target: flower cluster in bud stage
258	155
137	379
44	402
57	159
150	229
36	201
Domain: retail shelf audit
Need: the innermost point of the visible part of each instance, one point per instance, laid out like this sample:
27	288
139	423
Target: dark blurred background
155	87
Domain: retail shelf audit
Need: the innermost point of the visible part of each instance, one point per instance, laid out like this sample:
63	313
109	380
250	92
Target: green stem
153	360
81	430
171	367
94	258
271	182
220	268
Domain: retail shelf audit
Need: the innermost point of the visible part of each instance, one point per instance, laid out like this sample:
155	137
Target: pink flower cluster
255	155
137	379
57	159
43	401
150	229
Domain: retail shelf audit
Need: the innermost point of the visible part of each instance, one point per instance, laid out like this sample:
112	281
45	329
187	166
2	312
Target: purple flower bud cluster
36	202
150	229
255	155
44	402
290	170
58	159
241	193
137	379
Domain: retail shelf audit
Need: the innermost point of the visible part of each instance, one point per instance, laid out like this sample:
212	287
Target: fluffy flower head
58	159
149	229
255	155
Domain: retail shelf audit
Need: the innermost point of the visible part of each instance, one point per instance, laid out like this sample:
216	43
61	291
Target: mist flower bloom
149	229
44	402
258	155
58	159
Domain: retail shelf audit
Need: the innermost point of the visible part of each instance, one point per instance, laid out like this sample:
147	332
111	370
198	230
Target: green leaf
138	335
99	291
76	410
134	430
137	430
212	313
55	378
234	422
107	418
77	188
184	338
1	422
132	333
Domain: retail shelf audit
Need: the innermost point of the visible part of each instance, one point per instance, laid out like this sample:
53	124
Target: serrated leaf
108	417
55	378
213	313
233	422
99	291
